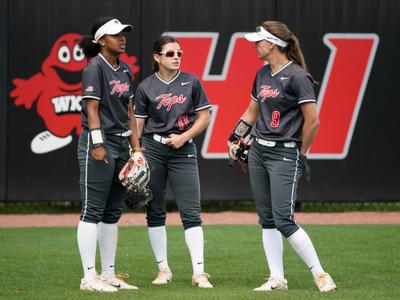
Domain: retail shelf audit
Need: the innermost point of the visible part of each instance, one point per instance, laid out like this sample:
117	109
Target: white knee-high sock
273	248
107	236
158	241
87	243
301	243
195	242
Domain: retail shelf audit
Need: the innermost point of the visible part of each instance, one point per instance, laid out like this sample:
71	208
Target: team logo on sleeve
56	91
267	92
167	100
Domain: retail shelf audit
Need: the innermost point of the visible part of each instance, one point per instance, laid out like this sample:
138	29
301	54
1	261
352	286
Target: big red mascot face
56	90
65	63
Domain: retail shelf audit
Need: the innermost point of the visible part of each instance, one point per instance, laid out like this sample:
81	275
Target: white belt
160	139
163	140
125	134
273	143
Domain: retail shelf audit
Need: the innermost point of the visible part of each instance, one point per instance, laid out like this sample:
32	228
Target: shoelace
122	276
165	271
101	282
203	277
267	280
324	279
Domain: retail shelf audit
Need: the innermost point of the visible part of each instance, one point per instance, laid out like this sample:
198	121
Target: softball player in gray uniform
103	149
172	108
283	113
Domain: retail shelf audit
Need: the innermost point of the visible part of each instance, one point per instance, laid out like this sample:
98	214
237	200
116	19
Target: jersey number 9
275	118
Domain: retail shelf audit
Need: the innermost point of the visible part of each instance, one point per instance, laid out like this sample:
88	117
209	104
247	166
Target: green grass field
364	260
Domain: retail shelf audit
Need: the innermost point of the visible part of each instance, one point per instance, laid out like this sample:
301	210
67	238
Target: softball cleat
201	281
96	285
273	284
324	282
164	277
117	281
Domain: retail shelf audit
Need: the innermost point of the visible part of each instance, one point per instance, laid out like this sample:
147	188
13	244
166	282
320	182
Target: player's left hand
176	141
135	174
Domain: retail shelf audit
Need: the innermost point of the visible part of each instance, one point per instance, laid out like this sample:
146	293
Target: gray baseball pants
101	191
180	168
274	176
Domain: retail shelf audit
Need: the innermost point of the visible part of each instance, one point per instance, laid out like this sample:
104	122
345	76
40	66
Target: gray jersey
169	107
279	97
113	88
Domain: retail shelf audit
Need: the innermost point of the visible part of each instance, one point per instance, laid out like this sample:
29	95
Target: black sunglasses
172	53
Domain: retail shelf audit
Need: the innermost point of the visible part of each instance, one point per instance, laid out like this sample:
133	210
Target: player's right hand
233	148
100	154
176	141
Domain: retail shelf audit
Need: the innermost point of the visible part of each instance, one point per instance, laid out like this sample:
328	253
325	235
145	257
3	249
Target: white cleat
96	285
46	142
117	281
164	277
201	281
273	284
324	282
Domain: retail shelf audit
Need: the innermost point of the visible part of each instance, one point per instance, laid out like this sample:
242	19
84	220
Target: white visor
111	27
262	34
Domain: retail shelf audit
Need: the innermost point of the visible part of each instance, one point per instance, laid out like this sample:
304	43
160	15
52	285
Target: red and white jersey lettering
170	107
119	88
167	100
276	115
266	92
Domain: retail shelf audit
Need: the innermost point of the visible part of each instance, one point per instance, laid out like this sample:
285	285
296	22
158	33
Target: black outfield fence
350	47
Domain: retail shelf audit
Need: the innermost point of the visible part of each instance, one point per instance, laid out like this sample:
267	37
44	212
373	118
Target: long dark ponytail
293	49
158	44
89	48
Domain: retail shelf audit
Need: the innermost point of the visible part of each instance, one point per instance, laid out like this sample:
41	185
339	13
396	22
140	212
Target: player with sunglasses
282	118
172	53
171	108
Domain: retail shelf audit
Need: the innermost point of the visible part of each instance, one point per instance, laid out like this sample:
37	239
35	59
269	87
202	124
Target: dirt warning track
228	217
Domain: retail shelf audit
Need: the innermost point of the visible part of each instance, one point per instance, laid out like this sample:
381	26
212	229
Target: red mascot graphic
57	91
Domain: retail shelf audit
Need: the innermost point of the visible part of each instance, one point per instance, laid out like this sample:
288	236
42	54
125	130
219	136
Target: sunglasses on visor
262	30
172	53
259	29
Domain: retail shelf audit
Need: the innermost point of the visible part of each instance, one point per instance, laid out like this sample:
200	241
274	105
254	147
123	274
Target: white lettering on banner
65	104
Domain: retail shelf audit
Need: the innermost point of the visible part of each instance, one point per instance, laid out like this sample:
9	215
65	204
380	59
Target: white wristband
97	136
